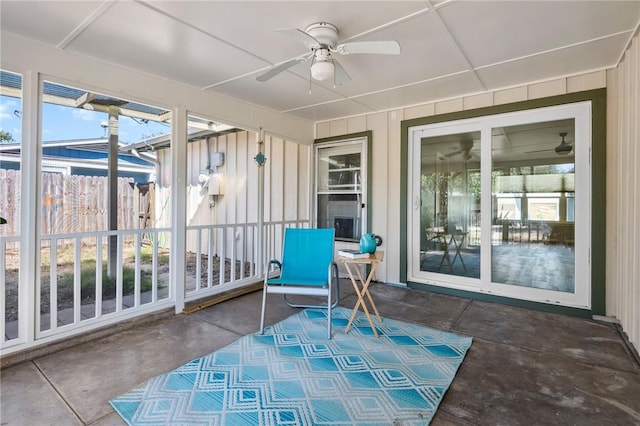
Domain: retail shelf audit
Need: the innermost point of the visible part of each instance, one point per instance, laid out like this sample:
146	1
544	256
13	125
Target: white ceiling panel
344	108
458	48
444	88
45	21
569	61
154	43
252	25
490	32
283	92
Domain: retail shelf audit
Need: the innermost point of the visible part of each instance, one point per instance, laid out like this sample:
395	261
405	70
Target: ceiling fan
322	41
465	151
563	148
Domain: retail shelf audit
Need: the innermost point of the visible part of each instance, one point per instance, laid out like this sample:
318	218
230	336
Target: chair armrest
333	271
274	262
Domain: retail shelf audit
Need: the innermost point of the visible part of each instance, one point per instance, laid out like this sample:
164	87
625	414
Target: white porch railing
75	292
223	257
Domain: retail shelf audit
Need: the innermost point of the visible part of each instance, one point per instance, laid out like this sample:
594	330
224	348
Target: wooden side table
361	286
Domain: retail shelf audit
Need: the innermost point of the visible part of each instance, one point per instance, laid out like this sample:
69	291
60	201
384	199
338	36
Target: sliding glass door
501	204
533	204
449	204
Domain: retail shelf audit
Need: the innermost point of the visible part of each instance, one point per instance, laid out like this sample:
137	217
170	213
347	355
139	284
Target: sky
64	123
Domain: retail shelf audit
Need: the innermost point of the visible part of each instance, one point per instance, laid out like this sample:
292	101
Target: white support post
178	203
30	208
112	200
260	159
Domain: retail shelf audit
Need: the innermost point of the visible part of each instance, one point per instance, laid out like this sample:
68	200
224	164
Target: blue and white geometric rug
293	375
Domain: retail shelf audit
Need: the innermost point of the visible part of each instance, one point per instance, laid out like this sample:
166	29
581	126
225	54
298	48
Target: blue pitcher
368	243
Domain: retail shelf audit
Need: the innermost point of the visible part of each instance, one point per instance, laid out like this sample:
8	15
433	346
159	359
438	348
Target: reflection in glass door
533	193
450	204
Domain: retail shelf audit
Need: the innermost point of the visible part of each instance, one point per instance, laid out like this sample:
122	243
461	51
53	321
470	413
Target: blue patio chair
307	268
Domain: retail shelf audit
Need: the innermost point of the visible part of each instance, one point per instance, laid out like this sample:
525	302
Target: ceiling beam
84	99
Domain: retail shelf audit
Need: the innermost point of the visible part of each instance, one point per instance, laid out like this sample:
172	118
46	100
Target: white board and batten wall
287	181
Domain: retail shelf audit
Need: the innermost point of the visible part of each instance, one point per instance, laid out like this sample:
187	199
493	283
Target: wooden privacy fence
10	202
73	204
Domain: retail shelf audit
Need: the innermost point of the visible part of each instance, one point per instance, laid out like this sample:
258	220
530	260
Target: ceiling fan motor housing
325	33
564	148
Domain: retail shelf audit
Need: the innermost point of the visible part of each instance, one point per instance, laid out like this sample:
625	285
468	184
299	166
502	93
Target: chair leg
337	285
329	315
334	282
264	307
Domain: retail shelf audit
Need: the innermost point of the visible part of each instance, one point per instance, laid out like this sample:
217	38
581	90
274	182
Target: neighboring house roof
93	152
84	153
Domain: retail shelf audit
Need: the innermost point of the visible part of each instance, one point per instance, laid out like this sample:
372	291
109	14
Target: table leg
355	287
361	293
365	289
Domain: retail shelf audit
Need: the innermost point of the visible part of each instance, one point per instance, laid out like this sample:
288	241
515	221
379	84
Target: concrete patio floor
524	367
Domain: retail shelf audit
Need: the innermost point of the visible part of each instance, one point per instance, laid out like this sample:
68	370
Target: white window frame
361	189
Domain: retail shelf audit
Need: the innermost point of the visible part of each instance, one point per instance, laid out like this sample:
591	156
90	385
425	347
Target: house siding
286	181
623	198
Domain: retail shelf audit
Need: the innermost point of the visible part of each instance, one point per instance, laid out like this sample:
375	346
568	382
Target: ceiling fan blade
282	67
308	40
540	150
451	154
377	47
341	76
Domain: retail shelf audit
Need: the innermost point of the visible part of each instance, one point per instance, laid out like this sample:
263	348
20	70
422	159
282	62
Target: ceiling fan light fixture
322	70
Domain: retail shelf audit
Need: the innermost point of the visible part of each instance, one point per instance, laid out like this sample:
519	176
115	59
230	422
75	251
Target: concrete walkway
524	367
